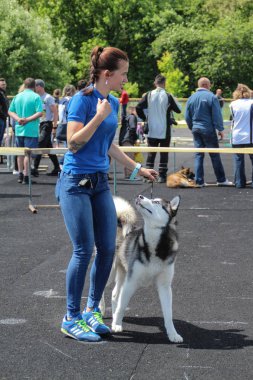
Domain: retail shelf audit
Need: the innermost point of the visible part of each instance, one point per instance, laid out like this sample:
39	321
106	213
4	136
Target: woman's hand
103	108
148	173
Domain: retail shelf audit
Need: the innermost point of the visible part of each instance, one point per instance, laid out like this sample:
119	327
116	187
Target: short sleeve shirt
93	156
26	104
47	101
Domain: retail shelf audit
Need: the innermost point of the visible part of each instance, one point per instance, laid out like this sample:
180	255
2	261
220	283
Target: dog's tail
126	215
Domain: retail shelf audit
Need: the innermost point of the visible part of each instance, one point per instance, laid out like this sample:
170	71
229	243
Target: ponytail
107	58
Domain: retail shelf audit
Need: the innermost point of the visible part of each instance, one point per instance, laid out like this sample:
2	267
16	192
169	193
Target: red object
124	99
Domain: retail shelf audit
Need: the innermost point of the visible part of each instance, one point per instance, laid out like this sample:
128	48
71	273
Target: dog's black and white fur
145	254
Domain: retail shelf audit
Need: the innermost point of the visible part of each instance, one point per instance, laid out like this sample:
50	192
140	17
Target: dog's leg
109	282
129	287
119	281
102	304
164	281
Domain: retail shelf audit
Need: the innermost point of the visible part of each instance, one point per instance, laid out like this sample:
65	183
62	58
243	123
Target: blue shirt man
203	117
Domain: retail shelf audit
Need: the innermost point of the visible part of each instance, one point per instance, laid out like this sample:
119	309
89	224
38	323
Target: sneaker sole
79	340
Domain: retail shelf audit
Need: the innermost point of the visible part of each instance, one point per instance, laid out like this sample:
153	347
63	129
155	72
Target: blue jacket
203	112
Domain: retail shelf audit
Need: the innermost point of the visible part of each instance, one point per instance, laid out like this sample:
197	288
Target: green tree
28	49
132	89
83	64
230	61
220	52
176	82
130	26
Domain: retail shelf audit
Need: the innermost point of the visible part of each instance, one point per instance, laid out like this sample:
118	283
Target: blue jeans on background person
202	140
239	161
2	130
90	218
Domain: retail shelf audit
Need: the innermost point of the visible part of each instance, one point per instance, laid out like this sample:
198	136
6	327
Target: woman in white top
242	130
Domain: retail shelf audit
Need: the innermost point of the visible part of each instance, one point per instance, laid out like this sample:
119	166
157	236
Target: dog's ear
182	167
174	204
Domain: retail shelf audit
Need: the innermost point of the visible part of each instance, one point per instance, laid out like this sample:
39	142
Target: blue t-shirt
93	156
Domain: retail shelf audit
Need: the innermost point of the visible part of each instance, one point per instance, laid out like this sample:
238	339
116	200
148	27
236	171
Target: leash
151	190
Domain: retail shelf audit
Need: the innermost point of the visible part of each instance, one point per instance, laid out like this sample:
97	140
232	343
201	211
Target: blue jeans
240	177
202	140
90	218
2	130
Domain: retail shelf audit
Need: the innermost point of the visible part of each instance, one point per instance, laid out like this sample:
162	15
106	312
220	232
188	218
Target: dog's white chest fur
147	273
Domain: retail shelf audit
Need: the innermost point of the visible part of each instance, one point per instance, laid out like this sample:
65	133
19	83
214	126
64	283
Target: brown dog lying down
182	178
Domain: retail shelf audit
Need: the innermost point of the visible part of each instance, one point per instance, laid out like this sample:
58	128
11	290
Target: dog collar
135	171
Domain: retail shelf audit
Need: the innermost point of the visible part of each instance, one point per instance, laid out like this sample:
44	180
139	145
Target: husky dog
182	178
146	254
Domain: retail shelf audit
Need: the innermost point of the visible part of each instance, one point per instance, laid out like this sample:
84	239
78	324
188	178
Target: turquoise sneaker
77	329
94	321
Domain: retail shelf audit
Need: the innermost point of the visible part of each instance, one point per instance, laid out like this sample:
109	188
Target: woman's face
119	77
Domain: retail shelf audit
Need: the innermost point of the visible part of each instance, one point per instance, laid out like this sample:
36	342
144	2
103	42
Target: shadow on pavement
194	337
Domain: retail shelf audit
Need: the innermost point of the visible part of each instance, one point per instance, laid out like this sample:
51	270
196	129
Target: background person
61	132
203	117
128	135
83	191
4	105
57	95
242	127
26	109
48	126
159	105
219	97
124	99
82	83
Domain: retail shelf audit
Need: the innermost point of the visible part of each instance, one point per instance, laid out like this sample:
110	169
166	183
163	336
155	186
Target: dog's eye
156	202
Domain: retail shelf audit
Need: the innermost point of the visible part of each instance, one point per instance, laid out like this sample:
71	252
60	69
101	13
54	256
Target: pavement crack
138	361
57	350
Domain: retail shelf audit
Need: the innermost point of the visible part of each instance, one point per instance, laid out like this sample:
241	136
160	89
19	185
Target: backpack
127	132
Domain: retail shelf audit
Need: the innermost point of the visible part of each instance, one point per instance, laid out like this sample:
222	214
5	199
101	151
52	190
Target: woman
83	192
242	124
61	132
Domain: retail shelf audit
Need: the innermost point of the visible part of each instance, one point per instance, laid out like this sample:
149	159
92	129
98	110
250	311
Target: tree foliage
176	82
220	51
204	37
29	49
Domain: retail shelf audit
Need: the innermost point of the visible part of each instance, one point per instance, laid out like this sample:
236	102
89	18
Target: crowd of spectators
40	120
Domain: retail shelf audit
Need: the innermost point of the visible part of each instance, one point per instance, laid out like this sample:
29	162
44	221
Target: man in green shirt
26	109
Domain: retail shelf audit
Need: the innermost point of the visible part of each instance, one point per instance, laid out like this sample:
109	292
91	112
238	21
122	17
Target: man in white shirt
159	105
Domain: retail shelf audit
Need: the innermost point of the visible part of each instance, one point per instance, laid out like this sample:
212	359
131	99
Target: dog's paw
117	328
175	338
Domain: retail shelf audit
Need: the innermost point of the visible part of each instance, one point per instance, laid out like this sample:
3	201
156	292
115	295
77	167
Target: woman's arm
78	135
122	158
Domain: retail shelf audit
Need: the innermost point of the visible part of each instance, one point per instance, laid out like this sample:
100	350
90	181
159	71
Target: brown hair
69	90
107	58
29	83
57	93
241	92
82	83
160	79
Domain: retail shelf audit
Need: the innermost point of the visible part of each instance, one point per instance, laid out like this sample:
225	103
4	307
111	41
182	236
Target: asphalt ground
212	290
